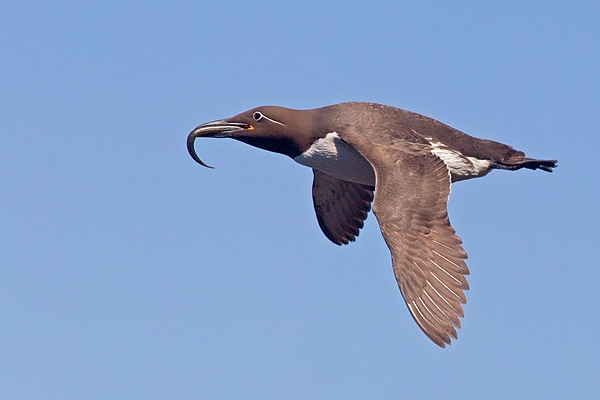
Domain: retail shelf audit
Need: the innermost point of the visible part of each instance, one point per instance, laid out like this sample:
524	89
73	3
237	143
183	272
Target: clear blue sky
127	271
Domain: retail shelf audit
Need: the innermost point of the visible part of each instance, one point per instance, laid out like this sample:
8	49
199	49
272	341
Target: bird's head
270	128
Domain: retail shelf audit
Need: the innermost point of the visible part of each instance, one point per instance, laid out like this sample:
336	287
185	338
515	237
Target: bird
400	162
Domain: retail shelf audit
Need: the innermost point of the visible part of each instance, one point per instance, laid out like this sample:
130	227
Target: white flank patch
338	159
460	167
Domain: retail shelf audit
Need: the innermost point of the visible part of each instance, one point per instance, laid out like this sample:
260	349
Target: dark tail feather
529	163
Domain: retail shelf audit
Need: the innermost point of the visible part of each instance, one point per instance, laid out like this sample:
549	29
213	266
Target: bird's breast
338	159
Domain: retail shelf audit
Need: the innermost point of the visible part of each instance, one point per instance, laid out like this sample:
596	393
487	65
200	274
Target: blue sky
127	271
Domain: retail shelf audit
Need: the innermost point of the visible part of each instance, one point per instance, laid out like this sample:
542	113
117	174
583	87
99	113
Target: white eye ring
257	116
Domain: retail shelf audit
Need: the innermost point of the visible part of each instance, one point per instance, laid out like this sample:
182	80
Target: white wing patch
338	159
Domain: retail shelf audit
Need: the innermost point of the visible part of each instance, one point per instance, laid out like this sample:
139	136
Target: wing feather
341	206
411	193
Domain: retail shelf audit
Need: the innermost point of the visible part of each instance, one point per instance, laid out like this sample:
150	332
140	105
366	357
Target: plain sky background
127	271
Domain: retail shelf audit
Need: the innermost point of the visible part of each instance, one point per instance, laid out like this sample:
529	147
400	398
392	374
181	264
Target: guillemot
401	162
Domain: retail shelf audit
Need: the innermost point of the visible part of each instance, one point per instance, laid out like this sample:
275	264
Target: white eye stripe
258	116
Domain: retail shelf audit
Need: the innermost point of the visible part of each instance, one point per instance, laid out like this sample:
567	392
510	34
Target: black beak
217	129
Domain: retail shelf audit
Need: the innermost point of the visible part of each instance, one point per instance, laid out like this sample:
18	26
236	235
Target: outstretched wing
411	194
341	206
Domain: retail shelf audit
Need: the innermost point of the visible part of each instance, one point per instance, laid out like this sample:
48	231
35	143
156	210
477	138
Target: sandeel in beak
217	129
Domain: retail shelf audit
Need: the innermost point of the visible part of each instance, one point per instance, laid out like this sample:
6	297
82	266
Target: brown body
401	162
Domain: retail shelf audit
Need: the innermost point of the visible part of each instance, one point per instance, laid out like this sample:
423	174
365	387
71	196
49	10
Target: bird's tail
529	163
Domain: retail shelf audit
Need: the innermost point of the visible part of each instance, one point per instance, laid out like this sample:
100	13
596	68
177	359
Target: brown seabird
403	163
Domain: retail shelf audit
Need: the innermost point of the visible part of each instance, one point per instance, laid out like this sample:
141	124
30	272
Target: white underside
460	167
338	159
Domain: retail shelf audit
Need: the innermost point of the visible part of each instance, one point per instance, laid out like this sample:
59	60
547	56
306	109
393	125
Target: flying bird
401	162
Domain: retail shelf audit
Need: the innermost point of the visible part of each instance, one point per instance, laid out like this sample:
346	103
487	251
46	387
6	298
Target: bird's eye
257	116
